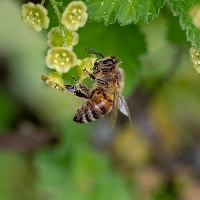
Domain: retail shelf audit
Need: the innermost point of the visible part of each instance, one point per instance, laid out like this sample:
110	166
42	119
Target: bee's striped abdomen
94	108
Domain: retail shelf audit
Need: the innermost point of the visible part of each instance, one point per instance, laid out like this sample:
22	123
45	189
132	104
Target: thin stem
55	7
63	35
43	1
58	14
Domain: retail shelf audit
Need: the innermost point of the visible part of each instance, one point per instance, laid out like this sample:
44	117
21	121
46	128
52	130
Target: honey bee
105	95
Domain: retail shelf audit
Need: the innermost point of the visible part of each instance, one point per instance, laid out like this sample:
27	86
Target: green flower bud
61	59
86	63
35	16
195	58
54	79
195	15
58	37
74	16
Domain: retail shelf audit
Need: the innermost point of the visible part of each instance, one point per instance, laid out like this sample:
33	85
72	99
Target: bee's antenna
94	52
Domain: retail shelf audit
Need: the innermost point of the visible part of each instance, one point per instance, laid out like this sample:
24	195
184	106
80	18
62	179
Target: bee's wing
114	110
123	107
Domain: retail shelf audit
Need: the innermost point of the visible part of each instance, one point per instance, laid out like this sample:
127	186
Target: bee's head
106	64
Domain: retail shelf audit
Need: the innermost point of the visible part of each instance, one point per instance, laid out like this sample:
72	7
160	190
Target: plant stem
58	14
55	7
43	1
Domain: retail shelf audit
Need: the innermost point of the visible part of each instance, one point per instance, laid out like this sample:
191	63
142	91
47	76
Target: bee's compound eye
109	62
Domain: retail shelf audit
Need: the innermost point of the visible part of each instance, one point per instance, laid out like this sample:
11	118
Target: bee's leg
76	92
89	74
82	92
84	89
93	78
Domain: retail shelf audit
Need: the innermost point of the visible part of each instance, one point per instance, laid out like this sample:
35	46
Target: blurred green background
45	155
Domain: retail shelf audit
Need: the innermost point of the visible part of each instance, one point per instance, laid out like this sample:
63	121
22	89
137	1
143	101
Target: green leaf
182	8
175	34
125	12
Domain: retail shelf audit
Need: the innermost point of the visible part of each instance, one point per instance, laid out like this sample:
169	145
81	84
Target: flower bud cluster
61	39
195	58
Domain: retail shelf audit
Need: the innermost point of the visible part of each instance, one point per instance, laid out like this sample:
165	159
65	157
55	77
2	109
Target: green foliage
175	34
183	9
125	12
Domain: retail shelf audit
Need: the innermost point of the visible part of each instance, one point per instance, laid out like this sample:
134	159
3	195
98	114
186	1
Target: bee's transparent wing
114	110
123	107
